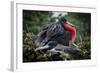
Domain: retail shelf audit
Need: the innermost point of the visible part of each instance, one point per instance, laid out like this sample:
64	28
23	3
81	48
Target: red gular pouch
72	30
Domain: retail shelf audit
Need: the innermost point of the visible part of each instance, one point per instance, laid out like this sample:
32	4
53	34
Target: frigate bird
61	32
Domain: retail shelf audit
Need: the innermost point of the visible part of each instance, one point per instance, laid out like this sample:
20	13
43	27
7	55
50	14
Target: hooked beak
69	23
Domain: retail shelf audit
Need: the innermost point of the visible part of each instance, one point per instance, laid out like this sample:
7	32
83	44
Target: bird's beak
43	48
70	24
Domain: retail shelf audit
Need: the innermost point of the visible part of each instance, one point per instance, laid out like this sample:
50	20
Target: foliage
33	20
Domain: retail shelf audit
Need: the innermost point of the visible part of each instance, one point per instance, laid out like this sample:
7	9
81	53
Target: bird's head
60	17
63	20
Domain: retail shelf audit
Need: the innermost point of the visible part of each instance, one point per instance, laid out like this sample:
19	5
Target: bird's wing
67	49
40	37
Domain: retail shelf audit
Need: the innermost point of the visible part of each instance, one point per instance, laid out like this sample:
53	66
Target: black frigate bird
55	36
54	32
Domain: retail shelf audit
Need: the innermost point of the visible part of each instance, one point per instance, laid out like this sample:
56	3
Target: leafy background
35	21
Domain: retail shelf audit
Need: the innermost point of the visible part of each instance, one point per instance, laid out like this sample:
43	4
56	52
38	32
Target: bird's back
56	32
